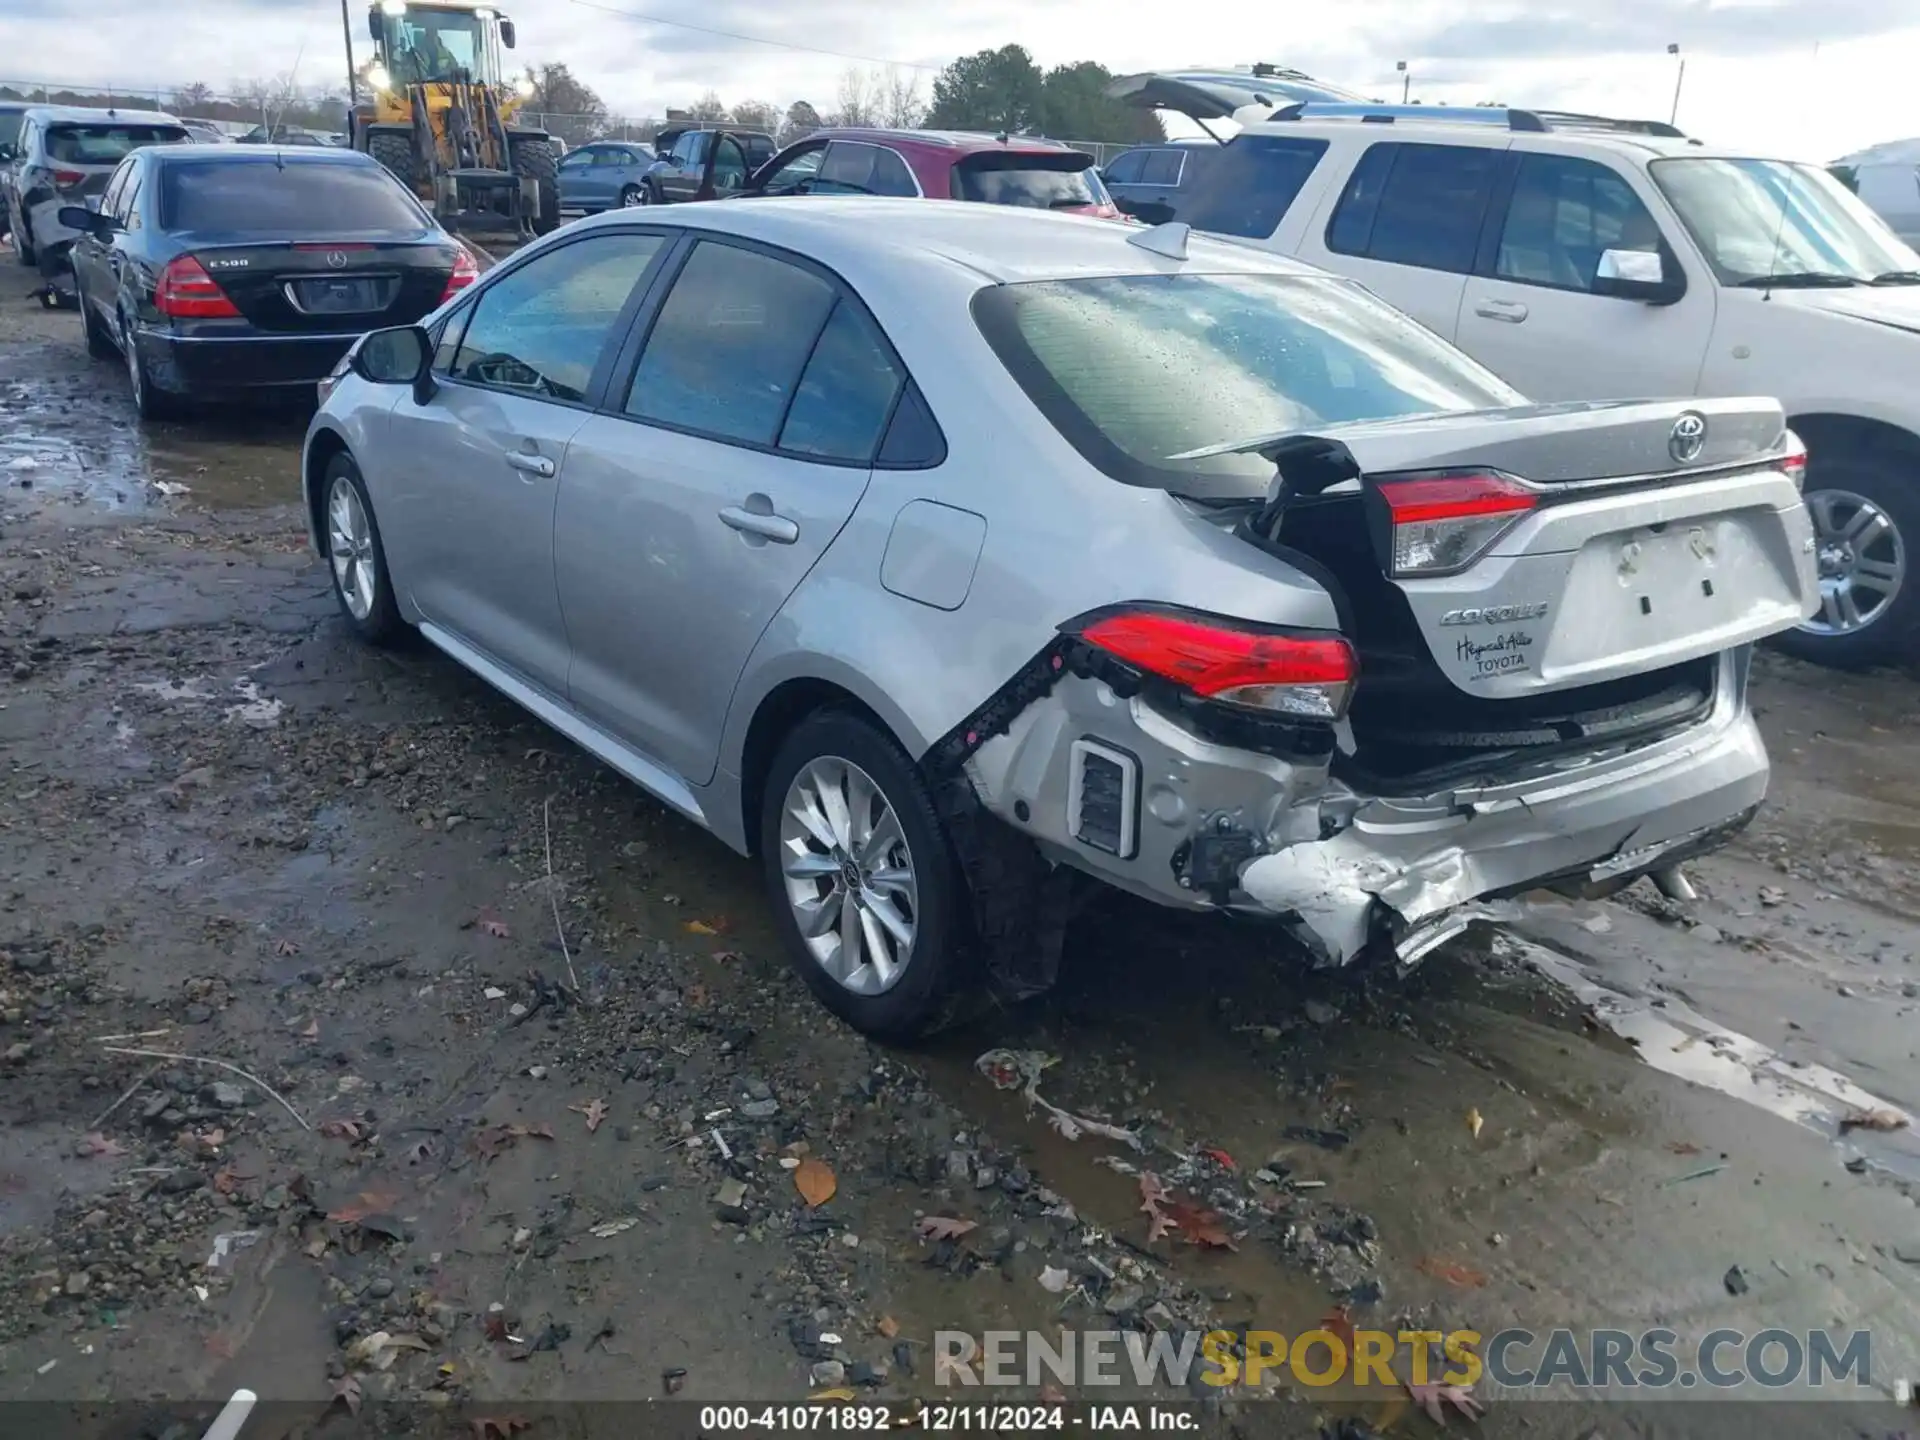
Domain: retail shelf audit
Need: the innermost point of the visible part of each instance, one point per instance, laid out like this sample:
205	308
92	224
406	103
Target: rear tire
534	159
633	195
356	558
149	402
1860	624
920	880
99	340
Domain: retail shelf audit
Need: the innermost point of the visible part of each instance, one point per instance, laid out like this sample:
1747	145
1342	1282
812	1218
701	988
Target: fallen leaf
1683	1147
594	1110
505	1427
419	1152
285	947
225	1180
1474	1122
1337	1322
1435	1398
346	1390
1772	895
496	1325
607	1229
95	1143
1451	1271
728	956
1052	1394
815	1181
1873	1120
381	1349
490	1140
494	926
1055	1280
1221	1158
696	997
943	1227
887	1326
343	1130
700	927
1199	1226
367	1202
838	1392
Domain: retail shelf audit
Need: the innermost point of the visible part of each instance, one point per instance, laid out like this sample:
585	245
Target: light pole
353	83
1406	79
1679	79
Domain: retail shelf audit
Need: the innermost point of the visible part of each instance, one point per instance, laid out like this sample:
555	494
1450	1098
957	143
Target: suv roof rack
1535	121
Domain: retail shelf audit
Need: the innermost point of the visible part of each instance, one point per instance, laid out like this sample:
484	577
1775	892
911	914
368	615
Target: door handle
777	528
532	464
1511	311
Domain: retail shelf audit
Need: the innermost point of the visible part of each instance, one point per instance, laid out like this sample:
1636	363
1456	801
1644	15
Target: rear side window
1040	182
302	199
1126	169
846	392
106	144
851	169
1246	187
541	329
726	352
1416	205
1163	168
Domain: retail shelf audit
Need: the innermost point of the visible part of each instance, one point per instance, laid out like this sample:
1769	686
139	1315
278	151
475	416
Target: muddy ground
543	1095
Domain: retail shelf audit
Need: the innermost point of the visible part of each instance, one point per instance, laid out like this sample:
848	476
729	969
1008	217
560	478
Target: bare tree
192	99
756	115
709	109
802	120
859	99
898	99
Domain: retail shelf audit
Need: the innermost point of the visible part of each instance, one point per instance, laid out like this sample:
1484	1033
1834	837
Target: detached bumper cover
1434	863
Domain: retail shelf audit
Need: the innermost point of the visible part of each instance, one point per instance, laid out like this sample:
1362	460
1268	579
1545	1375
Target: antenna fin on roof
1169	240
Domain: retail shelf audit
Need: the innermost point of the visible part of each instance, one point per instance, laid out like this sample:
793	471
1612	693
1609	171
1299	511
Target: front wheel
356	559
1866	518
634	195
865	888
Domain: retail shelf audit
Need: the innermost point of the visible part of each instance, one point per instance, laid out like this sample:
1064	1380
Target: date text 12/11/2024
980	1419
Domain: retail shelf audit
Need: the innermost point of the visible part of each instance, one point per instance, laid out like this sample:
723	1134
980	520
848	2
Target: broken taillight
465	272
1306	674
1794	462
1443	523
186	292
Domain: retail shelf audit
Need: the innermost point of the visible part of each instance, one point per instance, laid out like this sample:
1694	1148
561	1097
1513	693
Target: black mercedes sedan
220	271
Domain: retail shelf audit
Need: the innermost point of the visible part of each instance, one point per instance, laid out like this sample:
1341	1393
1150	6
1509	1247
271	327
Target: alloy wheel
1862	561
350	548
633	195
849	875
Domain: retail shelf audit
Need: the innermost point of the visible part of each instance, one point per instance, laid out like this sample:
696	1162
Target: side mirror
506	33
86	220
402	355
1637	275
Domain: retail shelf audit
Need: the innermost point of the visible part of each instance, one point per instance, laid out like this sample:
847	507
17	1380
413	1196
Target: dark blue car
216	271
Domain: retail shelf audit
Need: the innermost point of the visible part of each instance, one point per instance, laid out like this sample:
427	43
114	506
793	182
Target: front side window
1142	372
851	168
796	173
541	330
1564	214
1250	183
1416	205
87	144
1125	169
725	354
1163	168
1771	222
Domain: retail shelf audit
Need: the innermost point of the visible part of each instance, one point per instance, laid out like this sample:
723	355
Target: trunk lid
1637	536
329	287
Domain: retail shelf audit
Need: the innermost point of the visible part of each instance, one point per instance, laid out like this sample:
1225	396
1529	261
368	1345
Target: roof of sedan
998	243
228	152
962	141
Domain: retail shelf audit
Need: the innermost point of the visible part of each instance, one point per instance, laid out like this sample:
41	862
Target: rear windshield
305	199
106	144
1138	370
1041	182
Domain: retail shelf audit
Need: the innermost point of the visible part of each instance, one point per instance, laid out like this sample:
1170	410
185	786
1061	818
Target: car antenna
1168	240
1779	232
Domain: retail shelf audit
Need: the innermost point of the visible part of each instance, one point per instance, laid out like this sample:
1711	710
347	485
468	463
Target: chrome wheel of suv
849	875
1862	561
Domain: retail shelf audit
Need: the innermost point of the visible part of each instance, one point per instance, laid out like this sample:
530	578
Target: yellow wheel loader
441	117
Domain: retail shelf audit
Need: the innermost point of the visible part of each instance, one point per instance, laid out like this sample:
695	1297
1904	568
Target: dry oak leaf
346	1390
343	1129
1451	1271
594	1110
815	1181
95	1143
493	925
1337	1322
1435	1398
285	947
1873	1120
367	1202
490	1140
942	1227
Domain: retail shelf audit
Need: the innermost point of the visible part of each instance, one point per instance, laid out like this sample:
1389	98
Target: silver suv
63	156
943	556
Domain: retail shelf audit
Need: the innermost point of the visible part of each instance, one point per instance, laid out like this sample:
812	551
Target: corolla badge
1495	614
1688	439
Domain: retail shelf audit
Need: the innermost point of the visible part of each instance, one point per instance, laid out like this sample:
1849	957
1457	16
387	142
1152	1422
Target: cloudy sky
1810	78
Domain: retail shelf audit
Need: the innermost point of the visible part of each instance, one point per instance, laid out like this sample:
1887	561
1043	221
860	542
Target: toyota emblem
337	259
1688	439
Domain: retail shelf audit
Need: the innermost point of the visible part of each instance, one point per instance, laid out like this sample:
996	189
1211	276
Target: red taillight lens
1794	462
67	179
465	272
1443	523
186	292
1306	675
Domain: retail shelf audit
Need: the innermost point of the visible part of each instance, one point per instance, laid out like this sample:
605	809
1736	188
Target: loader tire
396	153
533	159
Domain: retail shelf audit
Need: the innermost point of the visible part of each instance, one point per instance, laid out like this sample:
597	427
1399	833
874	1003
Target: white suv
1588	259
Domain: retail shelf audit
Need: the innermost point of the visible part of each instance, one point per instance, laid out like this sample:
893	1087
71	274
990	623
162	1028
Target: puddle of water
251	708
1677	1040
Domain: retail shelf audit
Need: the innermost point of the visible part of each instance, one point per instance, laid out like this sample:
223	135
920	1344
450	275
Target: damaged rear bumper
1222	827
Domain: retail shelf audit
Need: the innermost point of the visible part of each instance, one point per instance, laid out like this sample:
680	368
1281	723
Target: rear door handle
1511	311
777	528
532	464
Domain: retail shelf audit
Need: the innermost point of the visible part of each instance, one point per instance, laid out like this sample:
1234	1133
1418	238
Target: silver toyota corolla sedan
945	557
